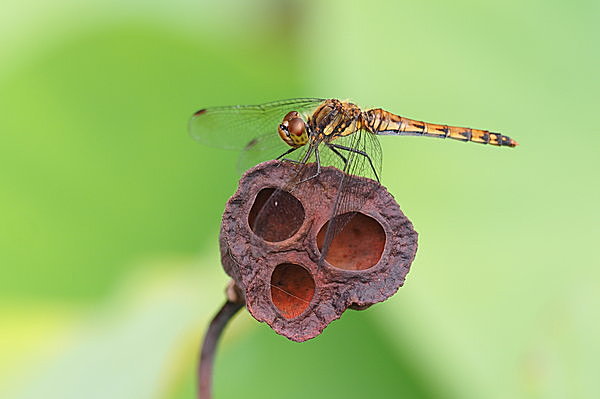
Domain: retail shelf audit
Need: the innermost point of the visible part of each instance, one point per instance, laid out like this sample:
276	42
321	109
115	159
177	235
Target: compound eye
296	127
290	115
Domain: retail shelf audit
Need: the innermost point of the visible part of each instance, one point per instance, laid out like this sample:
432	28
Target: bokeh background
109	212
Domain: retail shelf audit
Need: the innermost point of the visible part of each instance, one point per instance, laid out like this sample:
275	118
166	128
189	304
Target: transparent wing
362	152
358	154
239	127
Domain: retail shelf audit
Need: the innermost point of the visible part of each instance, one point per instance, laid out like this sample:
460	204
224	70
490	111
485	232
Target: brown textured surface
276	265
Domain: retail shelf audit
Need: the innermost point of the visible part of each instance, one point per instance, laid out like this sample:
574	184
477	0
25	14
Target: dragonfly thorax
335	118
292	130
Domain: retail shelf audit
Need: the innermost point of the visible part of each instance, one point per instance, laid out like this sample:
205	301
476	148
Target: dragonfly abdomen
382	122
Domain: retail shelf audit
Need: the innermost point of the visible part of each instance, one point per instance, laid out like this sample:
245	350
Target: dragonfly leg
286	153
291	160
364	154
339	154
318	162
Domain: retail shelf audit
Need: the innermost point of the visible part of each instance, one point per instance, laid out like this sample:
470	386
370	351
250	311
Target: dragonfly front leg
354	150
286	153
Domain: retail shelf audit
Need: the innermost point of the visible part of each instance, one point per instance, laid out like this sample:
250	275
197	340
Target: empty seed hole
357	244
292	289
276	215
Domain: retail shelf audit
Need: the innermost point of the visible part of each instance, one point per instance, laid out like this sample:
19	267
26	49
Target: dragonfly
320	132
277	129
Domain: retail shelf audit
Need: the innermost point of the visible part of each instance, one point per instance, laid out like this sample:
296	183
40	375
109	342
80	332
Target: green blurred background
109	212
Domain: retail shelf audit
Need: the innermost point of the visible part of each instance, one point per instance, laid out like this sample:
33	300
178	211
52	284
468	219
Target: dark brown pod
277	263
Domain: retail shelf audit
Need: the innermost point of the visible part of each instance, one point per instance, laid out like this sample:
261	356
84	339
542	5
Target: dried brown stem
209	346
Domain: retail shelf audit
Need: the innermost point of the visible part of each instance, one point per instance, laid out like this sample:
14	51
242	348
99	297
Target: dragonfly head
292	130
